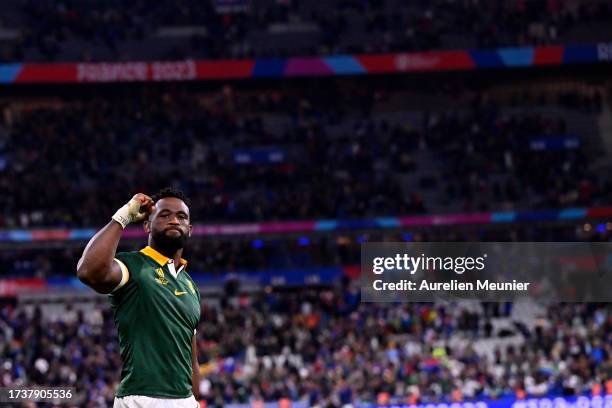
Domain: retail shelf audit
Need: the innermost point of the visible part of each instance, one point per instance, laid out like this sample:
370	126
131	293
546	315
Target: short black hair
170	192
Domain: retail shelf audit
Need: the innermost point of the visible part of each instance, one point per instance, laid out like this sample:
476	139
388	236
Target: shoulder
131	265
133	257
132	261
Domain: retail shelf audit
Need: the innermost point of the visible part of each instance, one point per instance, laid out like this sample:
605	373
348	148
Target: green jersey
156	314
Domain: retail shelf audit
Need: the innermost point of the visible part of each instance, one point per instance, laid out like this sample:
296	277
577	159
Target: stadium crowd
361	149
324	347
359	158
47	29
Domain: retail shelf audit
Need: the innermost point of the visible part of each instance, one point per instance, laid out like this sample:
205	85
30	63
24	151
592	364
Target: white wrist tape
130	212
122	216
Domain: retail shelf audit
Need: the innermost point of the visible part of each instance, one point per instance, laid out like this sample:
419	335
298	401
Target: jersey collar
159	258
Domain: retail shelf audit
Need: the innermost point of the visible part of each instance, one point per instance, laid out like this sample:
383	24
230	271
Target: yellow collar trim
157	257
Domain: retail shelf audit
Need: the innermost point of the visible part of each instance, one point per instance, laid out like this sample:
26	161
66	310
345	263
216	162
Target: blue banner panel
554	142
270	155
580	54
269	68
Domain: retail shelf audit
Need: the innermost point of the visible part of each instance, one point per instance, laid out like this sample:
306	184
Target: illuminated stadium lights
257	243
304	241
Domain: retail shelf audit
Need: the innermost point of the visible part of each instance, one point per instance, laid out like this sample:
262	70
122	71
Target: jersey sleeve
127	275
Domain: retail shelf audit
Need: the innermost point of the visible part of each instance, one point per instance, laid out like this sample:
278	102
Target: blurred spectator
115	30
336	154
324	347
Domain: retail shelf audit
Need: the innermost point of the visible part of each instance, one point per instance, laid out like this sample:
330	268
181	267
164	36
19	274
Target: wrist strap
122	216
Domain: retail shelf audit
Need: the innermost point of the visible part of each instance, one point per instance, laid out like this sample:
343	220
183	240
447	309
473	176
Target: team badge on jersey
161	279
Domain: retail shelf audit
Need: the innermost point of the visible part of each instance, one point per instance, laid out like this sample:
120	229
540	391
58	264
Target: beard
169	244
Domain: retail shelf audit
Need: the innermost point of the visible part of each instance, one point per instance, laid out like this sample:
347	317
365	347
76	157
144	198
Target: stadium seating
296	154
324	347
525	150
107	30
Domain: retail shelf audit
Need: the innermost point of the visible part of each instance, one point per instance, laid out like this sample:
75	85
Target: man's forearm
95	264
195	383
195	378
95	268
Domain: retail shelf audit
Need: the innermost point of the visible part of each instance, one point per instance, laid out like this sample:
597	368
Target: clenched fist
136	210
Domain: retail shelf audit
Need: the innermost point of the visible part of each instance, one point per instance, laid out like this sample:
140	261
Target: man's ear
147	226
190	230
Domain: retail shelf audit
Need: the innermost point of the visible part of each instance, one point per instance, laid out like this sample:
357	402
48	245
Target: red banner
417	62
12	287
187	70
